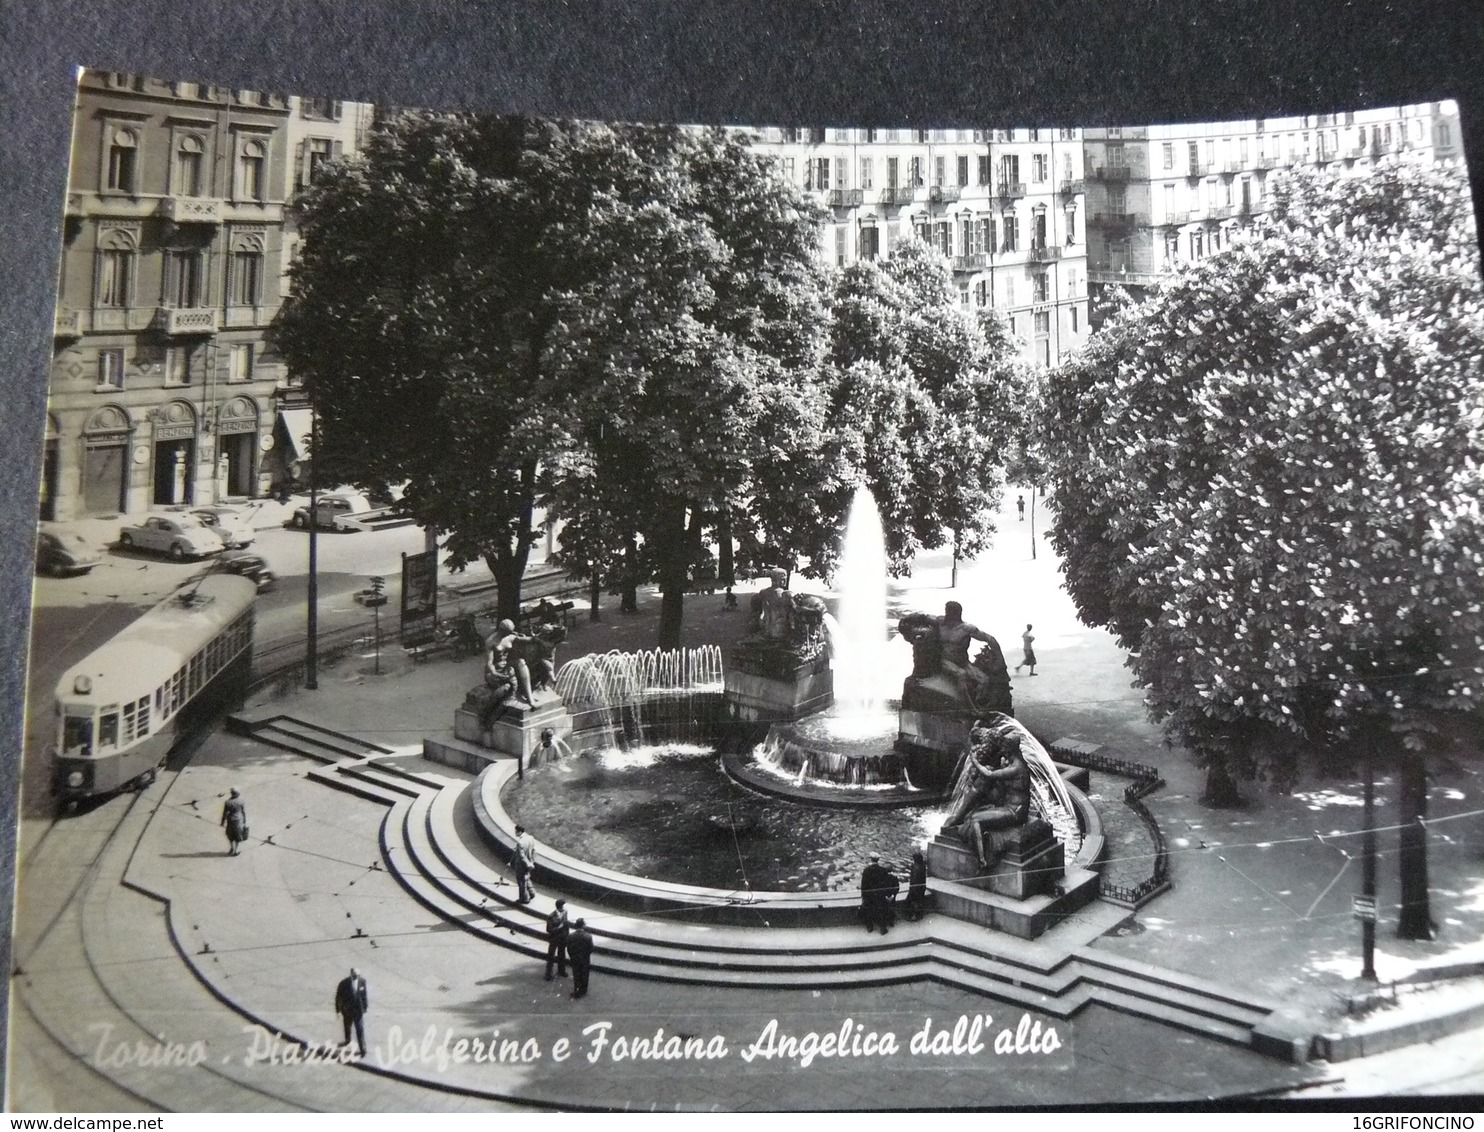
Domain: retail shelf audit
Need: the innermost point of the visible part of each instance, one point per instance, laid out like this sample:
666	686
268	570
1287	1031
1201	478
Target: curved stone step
686	953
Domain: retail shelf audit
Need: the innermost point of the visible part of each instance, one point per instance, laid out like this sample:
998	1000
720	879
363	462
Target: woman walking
1026	642
234	817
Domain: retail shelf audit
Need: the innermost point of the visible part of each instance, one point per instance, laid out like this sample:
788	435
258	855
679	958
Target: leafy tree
1269	485
931	391
421	323
693	354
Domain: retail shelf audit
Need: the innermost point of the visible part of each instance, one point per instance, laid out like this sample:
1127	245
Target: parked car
249	565
180	536
332	513
230	524
62	552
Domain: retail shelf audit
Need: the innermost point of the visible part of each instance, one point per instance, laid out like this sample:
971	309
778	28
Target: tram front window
77	735
108	728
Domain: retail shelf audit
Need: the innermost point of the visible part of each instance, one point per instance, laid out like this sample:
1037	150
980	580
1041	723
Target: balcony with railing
1113	173
1042	253
191	210
898	195
1264	162
943	194
1113	221
1231	167
846	198
1071	187
69	324
1010	190
976	261
1177	216
1223	211
186	320
1200	168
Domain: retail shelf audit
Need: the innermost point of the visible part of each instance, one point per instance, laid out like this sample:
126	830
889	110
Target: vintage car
332	513
230	524
249	565
62	552
180	536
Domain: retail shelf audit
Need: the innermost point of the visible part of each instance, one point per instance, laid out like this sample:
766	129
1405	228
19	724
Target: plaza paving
188	943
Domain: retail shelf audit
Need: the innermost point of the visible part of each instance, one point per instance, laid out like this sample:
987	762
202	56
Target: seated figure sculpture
992	791
505	663
940	648
785	628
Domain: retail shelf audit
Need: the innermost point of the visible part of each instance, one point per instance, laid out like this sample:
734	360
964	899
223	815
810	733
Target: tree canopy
1268	479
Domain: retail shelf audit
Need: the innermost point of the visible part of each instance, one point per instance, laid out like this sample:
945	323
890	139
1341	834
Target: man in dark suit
878	889
557	933
580	952
351	1003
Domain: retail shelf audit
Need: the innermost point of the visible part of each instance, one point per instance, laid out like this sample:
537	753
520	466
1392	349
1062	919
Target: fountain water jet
621	699
858	639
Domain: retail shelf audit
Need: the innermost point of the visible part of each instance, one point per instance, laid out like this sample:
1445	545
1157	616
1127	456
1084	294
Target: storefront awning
297	424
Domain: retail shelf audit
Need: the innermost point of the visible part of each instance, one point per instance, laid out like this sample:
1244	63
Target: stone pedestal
763	688
1029	861
516	729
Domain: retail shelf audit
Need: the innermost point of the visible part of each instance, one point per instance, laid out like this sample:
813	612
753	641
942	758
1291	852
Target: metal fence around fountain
1146	780
624	699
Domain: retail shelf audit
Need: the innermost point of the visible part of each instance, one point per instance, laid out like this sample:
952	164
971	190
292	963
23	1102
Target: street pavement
198	946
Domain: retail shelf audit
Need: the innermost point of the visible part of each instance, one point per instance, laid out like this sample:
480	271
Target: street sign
1364	908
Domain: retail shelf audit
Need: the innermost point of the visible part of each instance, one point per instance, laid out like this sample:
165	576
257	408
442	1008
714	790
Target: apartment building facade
1005	208
1160	196
175	251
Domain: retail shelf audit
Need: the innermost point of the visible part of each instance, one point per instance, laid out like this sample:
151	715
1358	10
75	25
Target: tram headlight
74	779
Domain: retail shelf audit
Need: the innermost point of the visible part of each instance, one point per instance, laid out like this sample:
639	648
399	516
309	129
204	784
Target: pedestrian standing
234	817
878	888
1020	506
580	952
917	887
525	865
351	1003
1027	642
557	931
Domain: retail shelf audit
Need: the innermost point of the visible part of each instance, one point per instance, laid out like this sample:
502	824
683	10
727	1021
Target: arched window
251	169
188	166
123	161
115	268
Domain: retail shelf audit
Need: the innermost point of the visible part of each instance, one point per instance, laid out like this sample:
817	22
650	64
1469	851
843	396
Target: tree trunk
594	596
1415	921
726	563
1221	788
628	588
673	554
507	563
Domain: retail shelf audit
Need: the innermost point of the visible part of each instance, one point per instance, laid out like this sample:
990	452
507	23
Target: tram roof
141	656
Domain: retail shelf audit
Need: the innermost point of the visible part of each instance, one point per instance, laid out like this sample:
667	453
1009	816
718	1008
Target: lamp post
311	654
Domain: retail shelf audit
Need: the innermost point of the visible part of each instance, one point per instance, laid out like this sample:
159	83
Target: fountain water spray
858	639
634	698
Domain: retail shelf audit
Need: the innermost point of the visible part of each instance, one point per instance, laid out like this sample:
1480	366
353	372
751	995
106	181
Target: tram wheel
177	552
126	541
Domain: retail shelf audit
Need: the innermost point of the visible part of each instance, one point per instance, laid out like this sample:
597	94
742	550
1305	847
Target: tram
122	708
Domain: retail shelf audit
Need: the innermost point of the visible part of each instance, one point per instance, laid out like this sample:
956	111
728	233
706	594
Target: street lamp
311	655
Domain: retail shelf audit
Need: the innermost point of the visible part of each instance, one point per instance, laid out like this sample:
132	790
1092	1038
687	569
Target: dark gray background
846	62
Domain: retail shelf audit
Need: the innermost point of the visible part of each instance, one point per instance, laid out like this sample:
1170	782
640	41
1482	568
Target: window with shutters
984	168
251	170
963	169
184	278
870	243
867	178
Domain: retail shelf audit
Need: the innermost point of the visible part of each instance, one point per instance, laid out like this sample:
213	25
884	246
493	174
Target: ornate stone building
163	388
1004	207
1159	196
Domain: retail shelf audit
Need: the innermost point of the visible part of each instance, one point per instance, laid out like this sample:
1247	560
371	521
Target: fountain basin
586	849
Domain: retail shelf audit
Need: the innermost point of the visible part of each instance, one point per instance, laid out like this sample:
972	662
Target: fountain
647	798
620	699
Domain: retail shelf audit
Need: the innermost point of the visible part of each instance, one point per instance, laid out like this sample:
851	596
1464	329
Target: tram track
65	941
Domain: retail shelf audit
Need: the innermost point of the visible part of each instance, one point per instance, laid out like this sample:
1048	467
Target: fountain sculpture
1014	848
